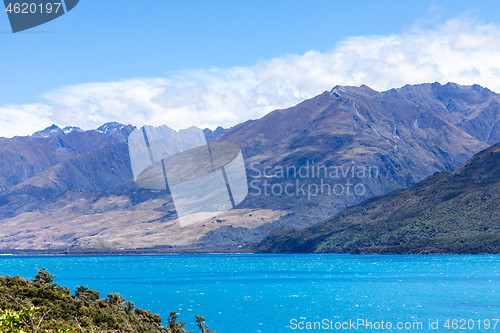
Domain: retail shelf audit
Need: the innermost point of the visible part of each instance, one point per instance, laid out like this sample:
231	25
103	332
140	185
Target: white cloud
24	119
461	50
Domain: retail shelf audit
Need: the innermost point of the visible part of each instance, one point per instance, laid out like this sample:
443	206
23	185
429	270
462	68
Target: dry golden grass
117	229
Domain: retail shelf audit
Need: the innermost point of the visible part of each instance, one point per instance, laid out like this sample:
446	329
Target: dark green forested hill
41	305
449	212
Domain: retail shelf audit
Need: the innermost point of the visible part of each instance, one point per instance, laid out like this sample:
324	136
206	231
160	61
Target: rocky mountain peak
338	90
50	131
109	128
69	129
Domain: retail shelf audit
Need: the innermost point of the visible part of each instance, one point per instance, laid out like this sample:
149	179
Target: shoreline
152	252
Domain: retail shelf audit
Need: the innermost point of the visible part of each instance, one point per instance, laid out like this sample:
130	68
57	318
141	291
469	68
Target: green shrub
42	306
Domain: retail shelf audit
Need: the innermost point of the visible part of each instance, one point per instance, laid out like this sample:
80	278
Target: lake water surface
283	293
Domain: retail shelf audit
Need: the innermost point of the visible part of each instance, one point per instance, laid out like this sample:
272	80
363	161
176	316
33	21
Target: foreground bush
42	306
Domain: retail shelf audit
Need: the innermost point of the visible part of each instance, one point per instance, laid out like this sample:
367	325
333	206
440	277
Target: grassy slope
456	212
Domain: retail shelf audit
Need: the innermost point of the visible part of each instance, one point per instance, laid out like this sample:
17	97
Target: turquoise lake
283	293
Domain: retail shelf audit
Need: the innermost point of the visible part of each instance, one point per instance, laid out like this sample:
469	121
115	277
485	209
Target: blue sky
159	47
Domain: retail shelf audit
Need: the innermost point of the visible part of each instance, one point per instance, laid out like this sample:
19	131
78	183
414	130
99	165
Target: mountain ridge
76	190
448	212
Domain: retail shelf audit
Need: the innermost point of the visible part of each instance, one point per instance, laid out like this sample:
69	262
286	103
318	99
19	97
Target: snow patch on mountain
109	128
70	129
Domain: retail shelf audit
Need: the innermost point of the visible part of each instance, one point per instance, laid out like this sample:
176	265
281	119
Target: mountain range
401	136
448	212
66	189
